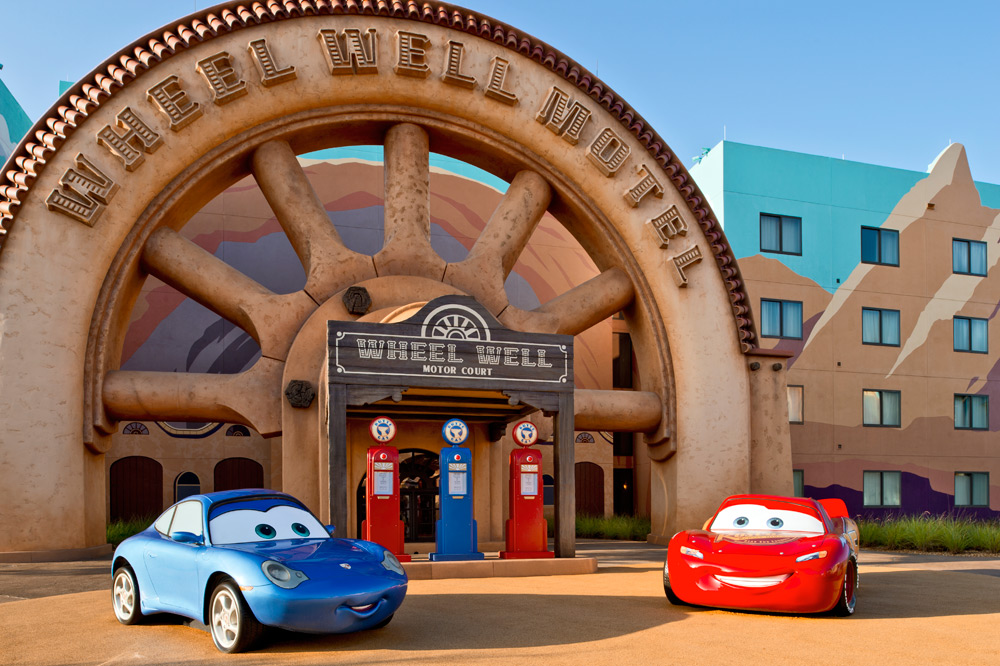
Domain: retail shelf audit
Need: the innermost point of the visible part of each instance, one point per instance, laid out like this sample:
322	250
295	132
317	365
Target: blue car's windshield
258	519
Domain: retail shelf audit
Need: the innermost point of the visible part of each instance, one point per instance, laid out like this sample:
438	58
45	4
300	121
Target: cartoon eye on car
244	559
767	553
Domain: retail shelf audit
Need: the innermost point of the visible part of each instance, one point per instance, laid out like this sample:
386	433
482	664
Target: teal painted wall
834	198
14	123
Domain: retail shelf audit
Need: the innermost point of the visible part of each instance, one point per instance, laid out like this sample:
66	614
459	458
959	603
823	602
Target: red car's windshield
767	516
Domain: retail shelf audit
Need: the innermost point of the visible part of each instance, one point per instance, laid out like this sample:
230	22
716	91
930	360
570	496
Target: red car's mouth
752	581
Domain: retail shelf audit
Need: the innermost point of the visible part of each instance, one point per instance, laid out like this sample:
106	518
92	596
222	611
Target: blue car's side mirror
188	537
330	529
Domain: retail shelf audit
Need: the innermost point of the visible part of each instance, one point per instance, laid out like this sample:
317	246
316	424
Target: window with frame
781	234
780	319
972	489
971	335
185	485
880	327
798	482
796	395
972	412
879	246
881	408
968	257
882	488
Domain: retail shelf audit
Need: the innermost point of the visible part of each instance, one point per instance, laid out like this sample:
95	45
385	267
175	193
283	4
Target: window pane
979	335
891	493
870	324
873	489
977	261
963	489
961	333
980	489
792	319
187	518
890	408
798	482
959	256
869	245
890	327
770	318
795	404
770	233
980	411
962	411
889	247
872	408
791	235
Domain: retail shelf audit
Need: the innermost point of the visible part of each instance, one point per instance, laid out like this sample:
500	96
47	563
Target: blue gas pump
456	530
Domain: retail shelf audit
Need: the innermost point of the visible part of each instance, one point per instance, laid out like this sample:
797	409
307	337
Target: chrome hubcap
124	596
225	618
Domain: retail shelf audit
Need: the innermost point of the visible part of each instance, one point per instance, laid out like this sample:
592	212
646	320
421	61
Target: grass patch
625	528
119	530
930	533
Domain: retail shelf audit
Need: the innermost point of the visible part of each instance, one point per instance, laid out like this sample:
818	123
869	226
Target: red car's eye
775	522
742	521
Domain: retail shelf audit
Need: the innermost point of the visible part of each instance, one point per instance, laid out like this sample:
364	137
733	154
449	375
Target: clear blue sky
886	82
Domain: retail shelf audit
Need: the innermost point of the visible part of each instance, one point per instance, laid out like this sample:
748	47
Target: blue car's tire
230	620
384	622
848	591
125	595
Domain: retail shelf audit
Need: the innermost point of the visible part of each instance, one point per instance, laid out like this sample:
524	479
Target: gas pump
382	524
456	537
527	529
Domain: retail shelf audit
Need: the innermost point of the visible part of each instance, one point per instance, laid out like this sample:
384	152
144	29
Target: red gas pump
527	529
382	524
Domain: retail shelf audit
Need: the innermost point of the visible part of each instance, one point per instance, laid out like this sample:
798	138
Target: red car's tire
673	598
848	591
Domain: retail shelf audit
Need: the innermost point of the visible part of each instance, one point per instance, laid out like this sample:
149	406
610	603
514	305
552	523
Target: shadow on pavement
492	621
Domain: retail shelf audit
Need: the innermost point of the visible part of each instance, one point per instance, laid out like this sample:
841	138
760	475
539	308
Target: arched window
585	438
135	428
185	485
548	490
238	431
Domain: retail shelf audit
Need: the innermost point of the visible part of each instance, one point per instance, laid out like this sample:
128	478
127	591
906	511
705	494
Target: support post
564	464
337	472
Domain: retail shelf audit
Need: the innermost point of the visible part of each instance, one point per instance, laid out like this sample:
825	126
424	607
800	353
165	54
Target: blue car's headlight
390	562
282	576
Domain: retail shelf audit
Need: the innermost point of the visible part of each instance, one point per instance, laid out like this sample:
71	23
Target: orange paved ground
911	610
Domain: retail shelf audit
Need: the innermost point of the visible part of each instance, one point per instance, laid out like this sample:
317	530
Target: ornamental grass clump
626	528
119	530
954	534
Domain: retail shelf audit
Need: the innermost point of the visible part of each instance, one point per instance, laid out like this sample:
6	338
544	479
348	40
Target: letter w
85	192
488	355
354	53
371	348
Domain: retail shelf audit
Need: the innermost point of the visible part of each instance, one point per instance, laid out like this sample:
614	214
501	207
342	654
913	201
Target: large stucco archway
96	191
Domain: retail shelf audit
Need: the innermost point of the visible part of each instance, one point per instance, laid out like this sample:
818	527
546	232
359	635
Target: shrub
119	530
628	528
955	534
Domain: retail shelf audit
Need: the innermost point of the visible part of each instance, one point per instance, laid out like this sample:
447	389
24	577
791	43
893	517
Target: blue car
244	559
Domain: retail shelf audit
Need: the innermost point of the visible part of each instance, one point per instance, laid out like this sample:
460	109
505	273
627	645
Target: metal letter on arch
62	337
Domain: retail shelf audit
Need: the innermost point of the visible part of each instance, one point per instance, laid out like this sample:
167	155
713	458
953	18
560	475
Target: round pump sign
382	429
455	432
525	433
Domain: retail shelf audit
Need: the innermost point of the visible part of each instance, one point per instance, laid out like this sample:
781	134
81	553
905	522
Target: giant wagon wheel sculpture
96	193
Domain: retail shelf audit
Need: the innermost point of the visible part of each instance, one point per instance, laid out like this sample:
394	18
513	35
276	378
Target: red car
767	553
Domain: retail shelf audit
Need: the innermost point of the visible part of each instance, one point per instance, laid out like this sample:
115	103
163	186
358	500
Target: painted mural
898	356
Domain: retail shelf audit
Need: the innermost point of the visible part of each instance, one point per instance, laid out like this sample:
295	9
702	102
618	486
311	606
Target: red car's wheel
848	591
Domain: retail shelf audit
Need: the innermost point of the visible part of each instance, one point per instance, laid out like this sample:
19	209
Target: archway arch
130	152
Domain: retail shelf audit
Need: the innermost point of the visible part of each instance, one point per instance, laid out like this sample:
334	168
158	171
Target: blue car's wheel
384	622
125	595
233	625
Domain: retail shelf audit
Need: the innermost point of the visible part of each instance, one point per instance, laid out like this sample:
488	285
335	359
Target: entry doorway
419	508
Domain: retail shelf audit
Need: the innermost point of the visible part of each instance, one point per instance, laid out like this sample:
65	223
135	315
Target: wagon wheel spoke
407	248
270	319
329	265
